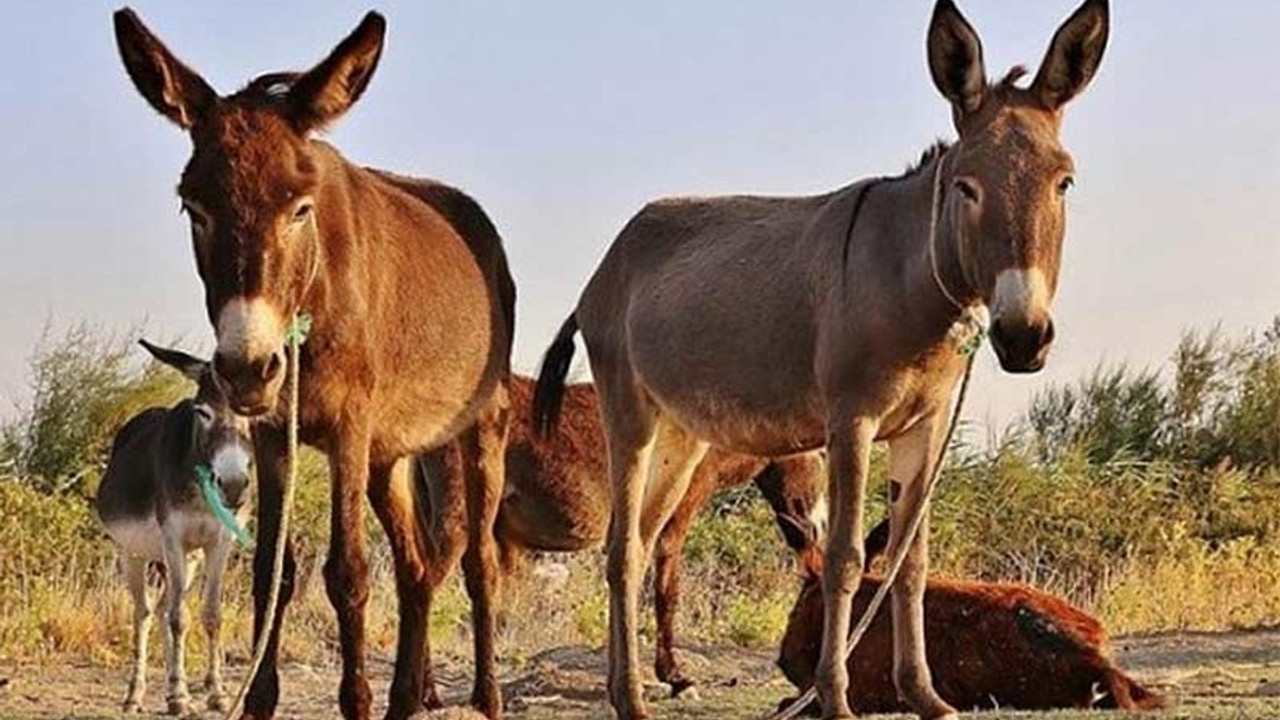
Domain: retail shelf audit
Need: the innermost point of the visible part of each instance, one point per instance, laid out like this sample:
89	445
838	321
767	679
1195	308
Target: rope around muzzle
208	488
294	338
972	329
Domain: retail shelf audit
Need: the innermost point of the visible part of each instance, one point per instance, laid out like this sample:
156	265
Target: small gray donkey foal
152	506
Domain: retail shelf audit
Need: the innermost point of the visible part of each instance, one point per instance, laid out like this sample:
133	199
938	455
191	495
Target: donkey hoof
217	701
131	706
179	706
684	688
487	702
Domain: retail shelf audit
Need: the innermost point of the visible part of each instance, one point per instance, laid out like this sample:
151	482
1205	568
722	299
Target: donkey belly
137	537
733	368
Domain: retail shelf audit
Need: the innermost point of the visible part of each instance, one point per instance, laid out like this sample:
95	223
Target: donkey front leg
392	497
849	450
346	570
135	574
911	461
270	458
484	462
175	560
211	617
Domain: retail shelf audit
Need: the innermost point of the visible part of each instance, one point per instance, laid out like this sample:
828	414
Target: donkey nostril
1048	334
221	367
272	367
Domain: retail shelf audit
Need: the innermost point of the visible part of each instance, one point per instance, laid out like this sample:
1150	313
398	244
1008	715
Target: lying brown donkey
557	499
990	645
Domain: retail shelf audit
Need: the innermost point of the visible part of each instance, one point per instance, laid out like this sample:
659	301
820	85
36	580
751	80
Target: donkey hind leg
271	458
666	578
135	573
849	448
177	581
630	429
211	617
649	481
911	461
440	480
484	462
391	495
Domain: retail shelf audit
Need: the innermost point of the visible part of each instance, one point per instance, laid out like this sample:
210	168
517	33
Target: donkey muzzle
1022	347
252	385
233	491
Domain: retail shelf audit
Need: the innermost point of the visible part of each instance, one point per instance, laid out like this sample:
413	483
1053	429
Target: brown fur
413	311
772	325
990	645
557	499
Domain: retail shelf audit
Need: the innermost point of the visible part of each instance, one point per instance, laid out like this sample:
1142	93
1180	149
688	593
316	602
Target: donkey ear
798	533
173	89
192	367
955	58
1074	54
329	89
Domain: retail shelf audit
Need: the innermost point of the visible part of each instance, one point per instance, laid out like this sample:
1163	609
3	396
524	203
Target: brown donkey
413	310
769	325
1001	645
557	499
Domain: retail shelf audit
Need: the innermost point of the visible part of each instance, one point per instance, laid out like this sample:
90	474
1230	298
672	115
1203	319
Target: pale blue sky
562	118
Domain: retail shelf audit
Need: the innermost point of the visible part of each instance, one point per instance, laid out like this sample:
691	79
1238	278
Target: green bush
84	385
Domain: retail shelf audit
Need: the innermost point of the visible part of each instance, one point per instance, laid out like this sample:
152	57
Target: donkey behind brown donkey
557	499
413	314
153	509
770	325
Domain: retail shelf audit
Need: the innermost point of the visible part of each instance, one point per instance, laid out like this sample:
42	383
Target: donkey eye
303	211
968	190
199	221
1066	184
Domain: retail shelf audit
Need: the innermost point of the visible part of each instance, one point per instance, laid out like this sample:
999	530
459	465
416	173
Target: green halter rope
204	476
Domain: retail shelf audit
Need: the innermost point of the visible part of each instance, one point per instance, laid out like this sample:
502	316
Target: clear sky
562	118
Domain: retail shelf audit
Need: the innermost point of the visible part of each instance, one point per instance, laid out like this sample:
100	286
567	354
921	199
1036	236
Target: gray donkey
152	506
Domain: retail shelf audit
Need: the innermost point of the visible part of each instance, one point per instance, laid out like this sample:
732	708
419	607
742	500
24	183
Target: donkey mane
927	156
1005	85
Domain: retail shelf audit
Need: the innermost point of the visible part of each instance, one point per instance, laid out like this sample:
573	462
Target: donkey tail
548	394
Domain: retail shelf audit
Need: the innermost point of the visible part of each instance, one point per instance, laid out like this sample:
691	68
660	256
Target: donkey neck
913	234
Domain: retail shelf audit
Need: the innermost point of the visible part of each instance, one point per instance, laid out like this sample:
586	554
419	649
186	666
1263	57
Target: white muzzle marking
231	461
249	328
1020	293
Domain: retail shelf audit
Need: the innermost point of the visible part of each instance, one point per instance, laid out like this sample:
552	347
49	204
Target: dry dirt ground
1210	676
